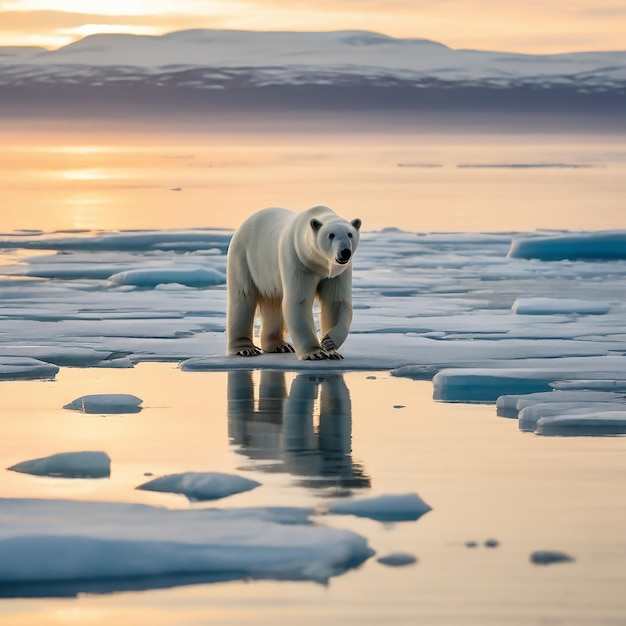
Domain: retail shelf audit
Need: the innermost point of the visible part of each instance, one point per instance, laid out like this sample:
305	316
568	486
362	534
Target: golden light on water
87	174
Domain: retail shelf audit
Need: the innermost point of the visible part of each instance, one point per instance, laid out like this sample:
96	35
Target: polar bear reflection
281	429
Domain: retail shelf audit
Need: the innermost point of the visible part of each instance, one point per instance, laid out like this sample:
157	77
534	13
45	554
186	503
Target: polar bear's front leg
335	296
298	297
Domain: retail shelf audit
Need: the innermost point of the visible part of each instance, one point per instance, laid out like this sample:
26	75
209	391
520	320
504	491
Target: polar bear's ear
315	224
356	223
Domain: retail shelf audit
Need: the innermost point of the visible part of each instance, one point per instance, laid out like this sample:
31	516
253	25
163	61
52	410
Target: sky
529	26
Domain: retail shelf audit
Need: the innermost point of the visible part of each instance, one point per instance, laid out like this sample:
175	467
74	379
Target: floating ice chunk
559	306
530	415
53	547
201	485
385	508
587	384
68	465
397	559
149	278
546	557
600	245
584	425
487	384
511	405
106	403
16	367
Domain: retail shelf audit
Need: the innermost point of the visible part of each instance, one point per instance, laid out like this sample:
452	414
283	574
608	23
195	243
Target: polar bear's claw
320	355
254	351
284	349
333	354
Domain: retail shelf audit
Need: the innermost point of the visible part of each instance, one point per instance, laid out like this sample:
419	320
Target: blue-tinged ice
201	486
530	416
511	405
190	277
592	424
106	403
68	465
488	383
385	508
56	547
27	368
600	245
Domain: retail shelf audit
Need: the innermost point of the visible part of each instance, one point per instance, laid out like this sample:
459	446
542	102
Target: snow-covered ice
556	306
201	486
384	508
58	547
68	465
482	314
106	403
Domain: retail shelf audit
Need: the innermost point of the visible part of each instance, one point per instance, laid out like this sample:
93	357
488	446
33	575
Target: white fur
281	261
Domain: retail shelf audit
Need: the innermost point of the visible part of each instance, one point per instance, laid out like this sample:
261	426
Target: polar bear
281	261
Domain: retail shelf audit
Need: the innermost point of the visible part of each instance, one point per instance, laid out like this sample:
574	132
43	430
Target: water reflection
306	432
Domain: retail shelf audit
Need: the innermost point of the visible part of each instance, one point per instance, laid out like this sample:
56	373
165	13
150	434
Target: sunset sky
532	26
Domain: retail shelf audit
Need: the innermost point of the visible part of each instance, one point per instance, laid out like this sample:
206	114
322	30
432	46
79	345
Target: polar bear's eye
331	236
349	235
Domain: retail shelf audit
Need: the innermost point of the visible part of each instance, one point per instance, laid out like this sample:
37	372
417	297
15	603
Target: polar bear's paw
317	354
251	351
330	347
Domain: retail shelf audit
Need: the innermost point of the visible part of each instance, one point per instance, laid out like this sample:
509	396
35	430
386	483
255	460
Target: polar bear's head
336	238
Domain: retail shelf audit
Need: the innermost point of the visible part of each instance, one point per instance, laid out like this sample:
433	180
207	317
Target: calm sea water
483	478
414	181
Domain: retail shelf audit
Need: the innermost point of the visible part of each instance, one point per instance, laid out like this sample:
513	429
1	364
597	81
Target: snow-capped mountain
357	65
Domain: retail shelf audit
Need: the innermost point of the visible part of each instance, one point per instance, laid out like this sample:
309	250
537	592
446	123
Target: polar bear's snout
344	255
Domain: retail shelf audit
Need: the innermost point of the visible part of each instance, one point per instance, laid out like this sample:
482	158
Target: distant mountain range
203	70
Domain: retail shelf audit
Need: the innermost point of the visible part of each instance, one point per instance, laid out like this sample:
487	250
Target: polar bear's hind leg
273	327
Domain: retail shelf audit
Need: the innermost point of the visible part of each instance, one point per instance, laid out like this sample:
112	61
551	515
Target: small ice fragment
471	544
399	406
491	543
200	486
546	557
370	378
106	403
385	508
397	559
68	465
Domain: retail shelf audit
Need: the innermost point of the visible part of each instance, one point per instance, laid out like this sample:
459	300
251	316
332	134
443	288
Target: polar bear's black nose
344	255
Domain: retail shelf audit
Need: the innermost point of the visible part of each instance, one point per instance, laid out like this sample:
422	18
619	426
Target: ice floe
597	423
12	367
601	245
106	403
62	548
483	314
201	486
556	306
384	508
189	277
68	465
